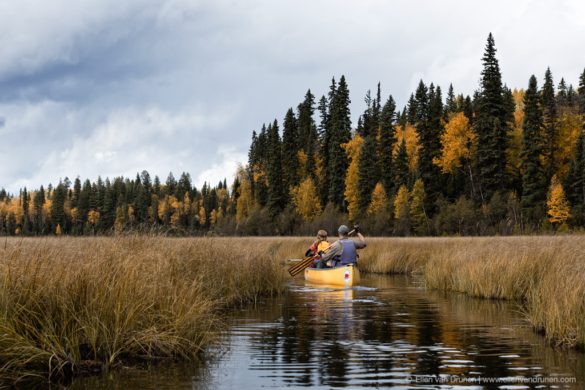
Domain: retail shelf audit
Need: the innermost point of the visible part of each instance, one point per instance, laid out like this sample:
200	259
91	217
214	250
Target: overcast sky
111	88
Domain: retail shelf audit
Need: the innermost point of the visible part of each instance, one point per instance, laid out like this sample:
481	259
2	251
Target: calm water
386	333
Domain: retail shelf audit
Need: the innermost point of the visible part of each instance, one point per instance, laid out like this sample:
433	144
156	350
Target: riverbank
71	306
546	273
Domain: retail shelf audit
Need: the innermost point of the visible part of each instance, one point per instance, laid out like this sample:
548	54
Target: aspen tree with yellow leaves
557	205
379	200
353	149
402	212
306	199
418	215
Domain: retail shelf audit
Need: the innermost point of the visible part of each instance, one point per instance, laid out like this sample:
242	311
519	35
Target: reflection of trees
325	338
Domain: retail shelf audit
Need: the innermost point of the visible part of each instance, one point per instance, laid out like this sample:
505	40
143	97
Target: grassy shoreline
545	273
71	306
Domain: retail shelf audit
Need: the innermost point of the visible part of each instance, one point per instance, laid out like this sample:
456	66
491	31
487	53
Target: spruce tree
58	208
450	104
551	132
429	128
340	134
562	94
534	184
491	125
307	130
275	189
581	92
575	182
38	203
25	214
401	170
290	151
368	174
107	214
387	142
76	192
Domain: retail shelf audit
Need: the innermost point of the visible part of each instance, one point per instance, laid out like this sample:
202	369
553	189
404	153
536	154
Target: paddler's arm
360	243
334	250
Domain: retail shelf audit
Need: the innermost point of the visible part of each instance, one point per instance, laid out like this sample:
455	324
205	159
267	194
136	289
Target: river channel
387	332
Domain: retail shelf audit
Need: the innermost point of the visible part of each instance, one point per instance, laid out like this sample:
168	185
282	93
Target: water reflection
379	334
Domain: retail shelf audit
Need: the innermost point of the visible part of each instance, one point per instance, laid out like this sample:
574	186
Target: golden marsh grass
546	273
69	305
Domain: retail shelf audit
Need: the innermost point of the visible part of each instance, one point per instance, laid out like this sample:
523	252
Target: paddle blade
299	267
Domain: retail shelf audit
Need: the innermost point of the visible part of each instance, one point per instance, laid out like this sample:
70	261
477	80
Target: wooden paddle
299	267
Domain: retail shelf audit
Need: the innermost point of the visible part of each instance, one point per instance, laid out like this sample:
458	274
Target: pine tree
534	179
108	211
24	196
575	183
307	131
429	128
38	203
58	208
368	174
562	94
450	104
171	184
387	142
401	171
340	134
581	94
551	133
290	150
491	126
275	188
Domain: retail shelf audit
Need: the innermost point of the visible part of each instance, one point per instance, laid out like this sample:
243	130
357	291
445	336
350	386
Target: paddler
344	250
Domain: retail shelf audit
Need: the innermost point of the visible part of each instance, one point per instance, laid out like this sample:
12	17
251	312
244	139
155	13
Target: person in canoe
318	246
343	251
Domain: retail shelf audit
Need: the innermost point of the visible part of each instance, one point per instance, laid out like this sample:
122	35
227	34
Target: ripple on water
384	333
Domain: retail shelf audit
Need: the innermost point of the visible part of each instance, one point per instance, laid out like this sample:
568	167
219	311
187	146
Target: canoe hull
346	276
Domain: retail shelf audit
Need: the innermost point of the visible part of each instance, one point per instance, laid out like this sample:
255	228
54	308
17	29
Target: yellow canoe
347	276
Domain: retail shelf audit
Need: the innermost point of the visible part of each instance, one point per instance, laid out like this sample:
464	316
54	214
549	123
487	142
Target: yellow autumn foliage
458	143
93	217
306	199
245	202
569	127
401	204
557	205
379	200
412	146
353	149
515	144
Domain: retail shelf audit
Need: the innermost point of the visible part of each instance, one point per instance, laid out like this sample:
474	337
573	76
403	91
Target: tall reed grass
545	273
73	305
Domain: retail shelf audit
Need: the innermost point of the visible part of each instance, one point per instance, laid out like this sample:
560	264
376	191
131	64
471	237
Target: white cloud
125	143
229	160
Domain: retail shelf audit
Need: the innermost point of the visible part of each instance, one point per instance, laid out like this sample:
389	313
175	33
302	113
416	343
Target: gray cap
343	230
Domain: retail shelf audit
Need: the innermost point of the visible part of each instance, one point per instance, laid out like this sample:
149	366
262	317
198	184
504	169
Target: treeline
501	161
108	206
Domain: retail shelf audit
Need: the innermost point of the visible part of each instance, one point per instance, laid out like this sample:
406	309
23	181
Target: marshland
72	307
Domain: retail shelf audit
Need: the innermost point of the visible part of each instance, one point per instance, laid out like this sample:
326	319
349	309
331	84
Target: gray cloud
110	88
